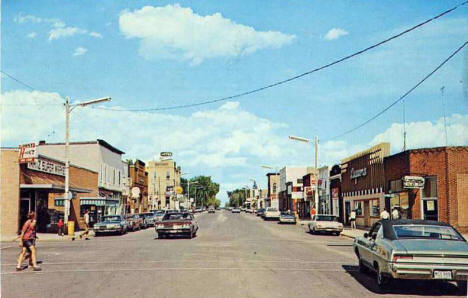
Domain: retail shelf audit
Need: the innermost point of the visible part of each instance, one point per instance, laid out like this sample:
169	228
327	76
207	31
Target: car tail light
397	258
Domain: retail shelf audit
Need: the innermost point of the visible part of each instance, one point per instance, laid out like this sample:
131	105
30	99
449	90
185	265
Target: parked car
413	249
211	210
271	213
236	210
111	224
248	210
260	212
134	222
148	219
287	217
182	223
325	223
158	215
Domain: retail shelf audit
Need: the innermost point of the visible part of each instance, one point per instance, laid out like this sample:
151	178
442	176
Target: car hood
433	246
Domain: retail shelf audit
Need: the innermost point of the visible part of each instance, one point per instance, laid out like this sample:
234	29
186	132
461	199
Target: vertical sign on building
27	153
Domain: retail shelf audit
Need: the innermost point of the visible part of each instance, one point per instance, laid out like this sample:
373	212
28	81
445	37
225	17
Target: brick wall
9	192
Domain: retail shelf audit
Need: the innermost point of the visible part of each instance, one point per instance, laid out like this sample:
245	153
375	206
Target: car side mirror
366	235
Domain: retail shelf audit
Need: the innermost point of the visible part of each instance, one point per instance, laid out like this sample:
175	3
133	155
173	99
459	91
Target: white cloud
80	51
60	32
335	33
31	35
178	33
426	133
95	34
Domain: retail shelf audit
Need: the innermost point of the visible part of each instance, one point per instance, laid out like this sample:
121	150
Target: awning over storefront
99	201
53	187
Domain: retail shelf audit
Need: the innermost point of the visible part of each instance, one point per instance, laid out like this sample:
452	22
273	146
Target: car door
366	244
373	243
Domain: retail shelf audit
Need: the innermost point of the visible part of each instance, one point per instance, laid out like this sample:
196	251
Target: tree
204	190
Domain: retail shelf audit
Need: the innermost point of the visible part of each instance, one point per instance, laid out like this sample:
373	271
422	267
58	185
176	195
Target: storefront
429	183
362	185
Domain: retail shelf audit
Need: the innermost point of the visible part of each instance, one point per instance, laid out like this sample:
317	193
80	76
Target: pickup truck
178	223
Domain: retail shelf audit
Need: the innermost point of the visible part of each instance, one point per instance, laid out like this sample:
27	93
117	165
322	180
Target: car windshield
111	218
286	213
326	218
426	232
272	209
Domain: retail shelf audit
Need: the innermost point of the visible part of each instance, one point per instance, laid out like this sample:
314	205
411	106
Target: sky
153	54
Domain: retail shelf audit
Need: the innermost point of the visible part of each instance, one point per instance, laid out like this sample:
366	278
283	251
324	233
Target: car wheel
382	280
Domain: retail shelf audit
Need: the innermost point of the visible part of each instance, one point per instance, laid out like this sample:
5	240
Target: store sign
410	182
27	153
358	173
335	193
47	166
165	155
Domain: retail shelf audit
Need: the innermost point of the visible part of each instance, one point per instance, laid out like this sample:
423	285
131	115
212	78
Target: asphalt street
233	255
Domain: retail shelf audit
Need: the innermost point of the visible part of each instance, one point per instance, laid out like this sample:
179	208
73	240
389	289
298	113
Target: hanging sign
27	153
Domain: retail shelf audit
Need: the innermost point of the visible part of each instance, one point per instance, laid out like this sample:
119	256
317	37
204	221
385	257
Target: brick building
336	201
444	196
38	186
139	178
273	187
363	183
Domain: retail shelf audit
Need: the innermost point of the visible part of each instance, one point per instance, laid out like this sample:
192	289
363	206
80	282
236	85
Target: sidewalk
44	237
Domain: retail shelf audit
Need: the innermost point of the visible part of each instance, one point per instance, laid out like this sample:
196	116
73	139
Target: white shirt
395	214
86	218
384	215
352	215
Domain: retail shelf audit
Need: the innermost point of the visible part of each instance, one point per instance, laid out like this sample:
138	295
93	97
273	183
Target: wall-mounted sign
410	182
27	153
179	189
358	173
47	166
165	155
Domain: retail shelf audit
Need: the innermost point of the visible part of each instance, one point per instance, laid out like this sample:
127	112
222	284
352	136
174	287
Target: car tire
382	280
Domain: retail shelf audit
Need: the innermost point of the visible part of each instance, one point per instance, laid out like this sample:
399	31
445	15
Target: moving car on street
111	224
158	215
287	217
271	213
211	210
235	210
177	223
325	223
413	249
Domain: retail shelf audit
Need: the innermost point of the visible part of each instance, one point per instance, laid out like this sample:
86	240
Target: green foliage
202	189
237	197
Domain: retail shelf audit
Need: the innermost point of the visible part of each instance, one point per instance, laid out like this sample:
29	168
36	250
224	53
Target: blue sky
160	53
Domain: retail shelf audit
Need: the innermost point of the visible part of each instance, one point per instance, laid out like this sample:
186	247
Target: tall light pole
305	140
68	109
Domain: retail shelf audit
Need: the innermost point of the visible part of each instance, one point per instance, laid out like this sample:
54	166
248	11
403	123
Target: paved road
234	255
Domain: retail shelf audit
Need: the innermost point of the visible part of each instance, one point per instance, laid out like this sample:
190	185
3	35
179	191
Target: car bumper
288	220
328	229
428	271
108	230
173	231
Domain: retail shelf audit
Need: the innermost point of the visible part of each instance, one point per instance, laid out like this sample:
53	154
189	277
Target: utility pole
316	174
68	109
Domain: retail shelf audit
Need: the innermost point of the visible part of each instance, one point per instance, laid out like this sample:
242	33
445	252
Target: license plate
442	274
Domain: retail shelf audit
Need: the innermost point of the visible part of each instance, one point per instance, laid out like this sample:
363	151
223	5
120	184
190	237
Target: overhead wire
403	96
182	106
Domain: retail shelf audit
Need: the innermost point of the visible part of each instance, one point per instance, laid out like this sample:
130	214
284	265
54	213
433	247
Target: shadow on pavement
404	287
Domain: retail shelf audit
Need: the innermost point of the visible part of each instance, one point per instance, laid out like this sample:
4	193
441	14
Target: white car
271	213
325	223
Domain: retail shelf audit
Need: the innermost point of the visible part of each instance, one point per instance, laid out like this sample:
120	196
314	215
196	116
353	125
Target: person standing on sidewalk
28	243
395	214
384	214
86	221
60	227
352	219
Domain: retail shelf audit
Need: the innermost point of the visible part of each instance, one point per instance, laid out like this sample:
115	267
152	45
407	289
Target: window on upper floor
274	187
168	175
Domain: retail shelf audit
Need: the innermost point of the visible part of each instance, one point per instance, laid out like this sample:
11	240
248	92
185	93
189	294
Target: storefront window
374	208
358	207
430	187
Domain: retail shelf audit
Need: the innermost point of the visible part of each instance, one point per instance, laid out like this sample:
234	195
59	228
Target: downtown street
233	255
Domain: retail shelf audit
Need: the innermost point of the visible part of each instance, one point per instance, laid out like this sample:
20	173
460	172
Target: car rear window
176	216
426	232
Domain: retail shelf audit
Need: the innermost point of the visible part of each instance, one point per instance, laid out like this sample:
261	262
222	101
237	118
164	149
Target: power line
403	96
17	80
291	78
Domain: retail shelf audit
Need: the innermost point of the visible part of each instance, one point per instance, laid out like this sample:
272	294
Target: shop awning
99	201
53	187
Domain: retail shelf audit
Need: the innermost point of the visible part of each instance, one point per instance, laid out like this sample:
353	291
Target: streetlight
305	140
68	109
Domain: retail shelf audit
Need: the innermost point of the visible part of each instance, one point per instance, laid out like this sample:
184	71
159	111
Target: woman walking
28	243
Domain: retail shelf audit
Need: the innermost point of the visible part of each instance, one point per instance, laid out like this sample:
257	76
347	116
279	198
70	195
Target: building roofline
98	141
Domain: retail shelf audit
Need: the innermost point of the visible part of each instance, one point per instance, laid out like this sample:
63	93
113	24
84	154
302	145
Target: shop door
347	212
25	208
366	213
430	210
